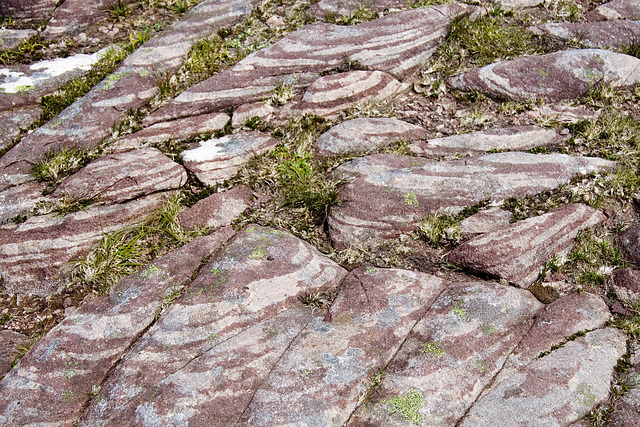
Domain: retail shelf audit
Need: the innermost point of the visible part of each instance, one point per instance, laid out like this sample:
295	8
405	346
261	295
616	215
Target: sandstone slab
176	130
217	210
398	44
262	110
261	273
518	251
328	8
329	95
486	221
629	243
12	121
20	200
32	255
28	11
325	373
24	85
10	38
616	9
366	134
555	76
74	16
90	119
603	34
564	113
220	158
626	284
54	381
557	389
518	138
116	178
390	194
453	353
10	341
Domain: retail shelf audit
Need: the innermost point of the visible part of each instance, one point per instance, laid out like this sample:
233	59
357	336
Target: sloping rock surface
389	194
518	251
604	34
31	11
616	9
10	39
553	77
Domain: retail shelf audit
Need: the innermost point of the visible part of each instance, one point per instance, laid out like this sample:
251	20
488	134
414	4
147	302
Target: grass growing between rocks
124	251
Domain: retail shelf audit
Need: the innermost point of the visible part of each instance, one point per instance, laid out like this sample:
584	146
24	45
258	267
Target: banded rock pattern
10	39
602	34
12	121
616	9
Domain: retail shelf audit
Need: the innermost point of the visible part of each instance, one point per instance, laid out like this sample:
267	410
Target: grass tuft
439	229
363	13
57	166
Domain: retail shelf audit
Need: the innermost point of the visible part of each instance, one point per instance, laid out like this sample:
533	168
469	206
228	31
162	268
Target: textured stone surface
116	178
247	111
175	130
604	34
558	389
32	255
485	221
10	39
220	158
24	85
28	11
329	95
55	380
327	8
629	243
390	194
73	16
553	77
89	120
454	352
616	9
366	134
20	200
217	210
564	113
398	43
13	120
326	372
518	138
518	251
260	273
10	341
626	284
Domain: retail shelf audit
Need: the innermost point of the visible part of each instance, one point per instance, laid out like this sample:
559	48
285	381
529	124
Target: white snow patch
208	150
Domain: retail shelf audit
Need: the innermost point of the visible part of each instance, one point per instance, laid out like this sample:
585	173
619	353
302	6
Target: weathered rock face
556	76
398	44
558	389
217	210
329	95
117	178
390	194
603	34
327	370
458	346
626	284
486	221
220	158
261	273
616	9
20	200
245	112
23	86
367	134
629	243
90	119
10	39
176	130
29	11
56	379
12	121
518	251
325	8
506	139
32	255
73	16
9	343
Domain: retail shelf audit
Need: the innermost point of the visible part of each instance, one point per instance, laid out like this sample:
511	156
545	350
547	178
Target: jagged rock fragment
568	74
626	284
366	134
334	359
557	389
518	251
220	158
217	210
390	194
452	354
517	138
57	378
